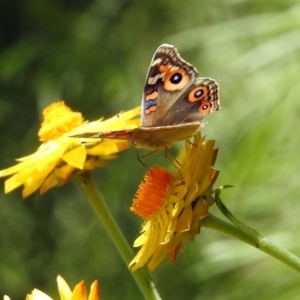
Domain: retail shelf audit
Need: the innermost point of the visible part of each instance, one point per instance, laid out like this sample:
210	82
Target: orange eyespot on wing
198	94
174	80
205	107
201	93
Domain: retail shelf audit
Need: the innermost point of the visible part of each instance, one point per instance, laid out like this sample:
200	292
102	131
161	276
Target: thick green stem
142	279
257	241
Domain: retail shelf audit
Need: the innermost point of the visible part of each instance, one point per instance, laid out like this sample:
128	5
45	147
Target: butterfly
173	105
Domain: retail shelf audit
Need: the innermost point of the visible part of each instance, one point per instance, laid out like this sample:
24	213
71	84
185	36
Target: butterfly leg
142	158
174	162
171	158
191	143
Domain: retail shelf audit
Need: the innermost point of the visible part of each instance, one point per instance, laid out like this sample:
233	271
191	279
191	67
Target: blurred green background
95	55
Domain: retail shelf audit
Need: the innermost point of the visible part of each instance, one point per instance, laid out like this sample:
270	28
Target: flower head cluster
79	292
173	204
60	155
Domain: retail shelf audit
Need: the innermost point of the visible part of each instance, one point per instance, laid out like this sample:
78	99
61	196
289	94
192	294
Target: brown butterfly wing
168	78
200	99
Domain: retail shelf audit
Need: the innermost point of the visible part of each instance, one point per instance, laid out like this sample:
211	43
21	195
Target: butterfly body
173	105
153	137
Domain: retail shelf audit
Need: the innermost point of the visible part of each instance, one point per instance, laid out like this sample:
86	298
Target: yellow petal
79	292
31	186
140	240
63	288
107	147
38	295
15	169
50	182
185	219
200	209
76	157
94	293
64	172
119	122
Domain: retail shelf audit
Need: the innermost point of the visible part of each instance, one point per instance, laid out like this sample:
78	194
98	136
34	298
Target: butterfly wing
198	100
169	76
174	103
110	135
154	138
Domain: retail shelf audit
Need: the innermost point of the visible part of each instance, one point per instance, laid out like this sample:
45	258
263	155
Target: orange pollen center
58	119
152	192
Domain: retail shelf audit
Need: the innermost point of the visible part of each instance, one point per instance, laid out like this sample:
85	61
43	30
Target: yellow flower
79	292
61	155
173	204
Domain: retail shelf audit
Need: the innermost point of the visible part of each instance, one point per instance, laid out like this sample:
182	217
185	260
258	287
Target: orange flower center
152	192
58	119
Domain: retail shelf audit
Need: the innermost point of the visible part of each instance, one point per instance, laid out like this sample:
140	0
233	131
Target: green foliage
95	55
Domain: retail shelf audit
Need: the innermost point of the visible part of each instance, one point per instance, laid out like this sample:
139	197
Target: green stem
142	279
257	241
